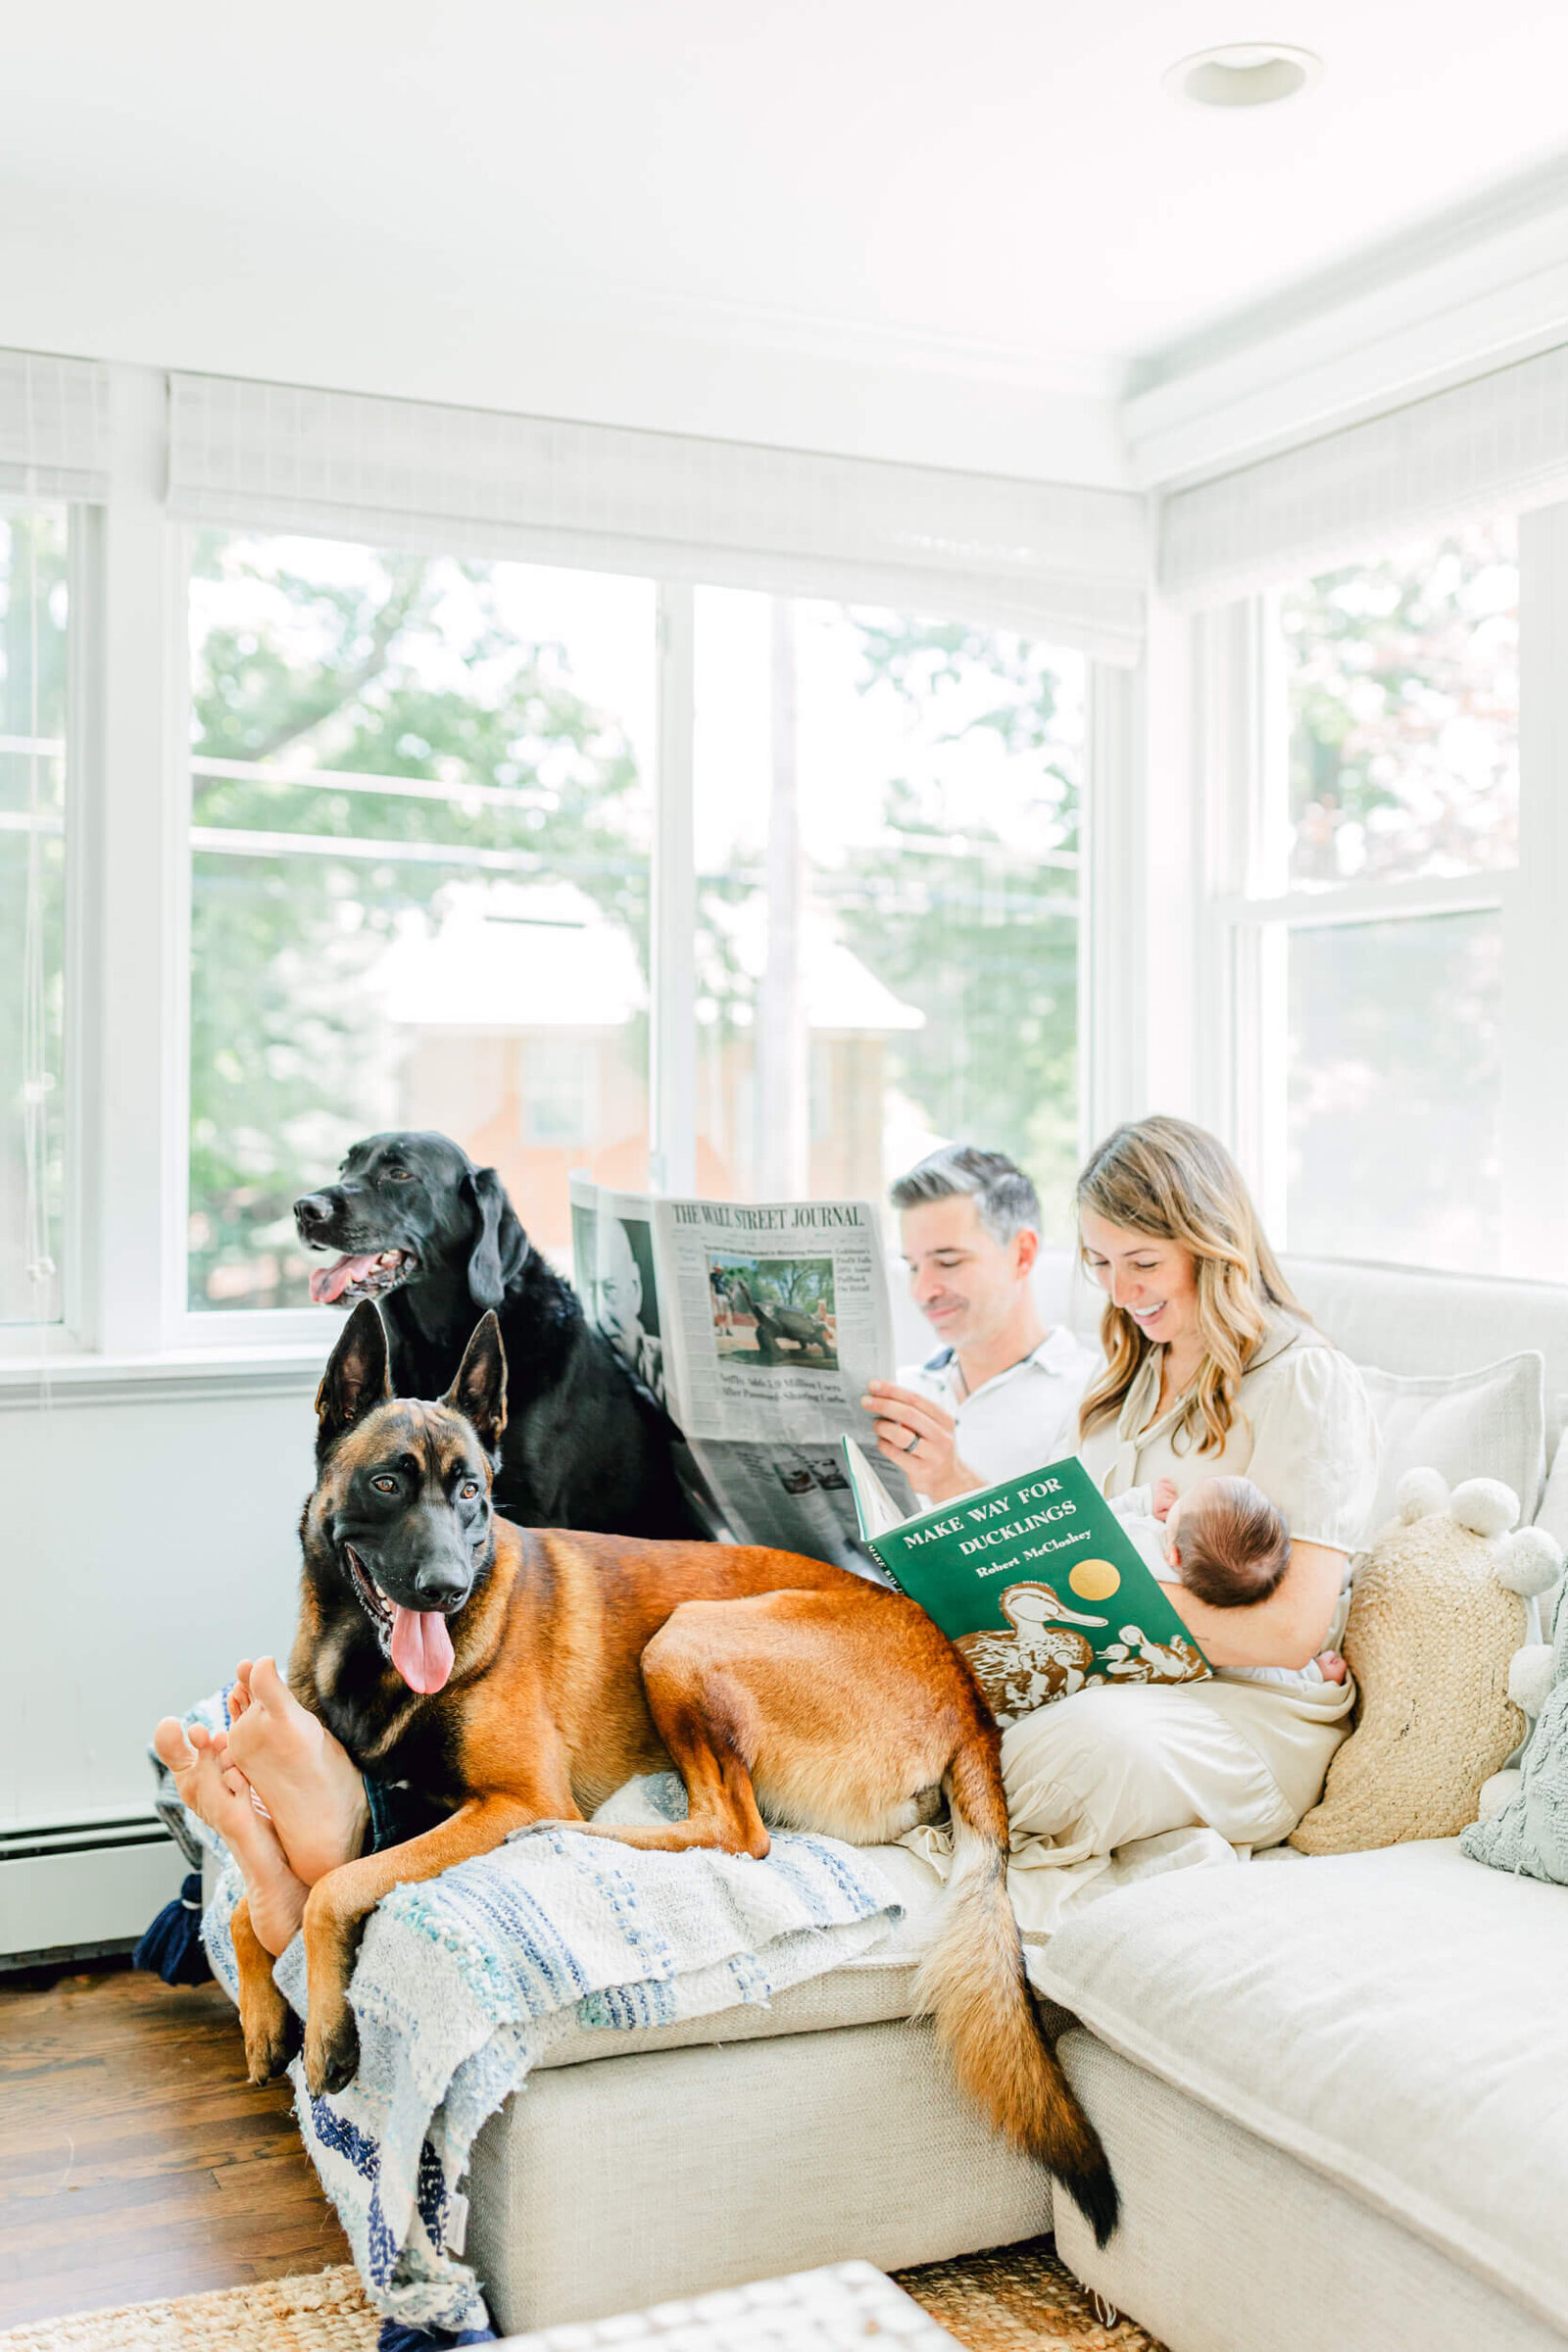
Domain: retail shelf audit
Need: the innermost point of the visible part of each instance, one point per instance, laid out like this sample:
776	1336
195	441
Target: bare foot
305	1779
222	1797
236	1698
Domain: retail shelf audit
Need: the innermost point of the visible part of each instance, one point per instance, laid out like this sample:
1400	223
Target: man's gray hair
1003	1194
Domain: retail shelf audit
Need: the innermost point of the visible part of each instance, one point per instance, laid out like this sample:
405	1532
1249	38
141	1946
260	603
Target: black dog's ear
479	1392
487	1283
356	1379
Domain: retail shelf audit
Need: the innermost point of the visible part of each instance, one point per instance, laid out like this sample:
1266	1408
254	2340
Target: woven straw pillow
1437	1614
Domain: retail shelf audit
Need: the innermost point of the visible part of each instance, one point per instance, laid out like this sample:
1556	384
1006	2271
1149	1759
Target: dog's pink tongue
421	1648
330	1282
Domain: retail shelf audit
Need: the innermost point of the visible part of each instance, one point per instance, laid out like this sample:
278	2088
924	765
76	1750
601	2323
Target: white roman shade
1497	443
54	426
1046	559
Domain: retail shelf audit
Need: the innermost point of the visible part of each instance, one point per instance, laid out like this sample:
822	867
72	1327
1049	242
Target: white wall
147	1548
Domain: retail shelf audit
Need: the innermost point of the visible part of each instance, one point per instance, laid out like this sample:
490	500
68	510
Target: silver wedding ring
915	1439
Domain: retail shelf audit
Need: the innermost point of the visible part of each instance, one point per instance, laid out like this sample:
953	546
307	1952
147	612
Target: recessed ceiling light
1245	73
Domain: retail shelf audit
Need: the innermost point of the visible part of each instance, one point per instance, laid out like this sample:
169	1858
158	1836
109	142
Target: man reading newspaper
1000	1394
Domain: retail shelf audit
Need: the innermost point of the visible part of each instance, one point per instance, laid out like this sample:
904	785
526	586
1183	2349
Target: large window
423	804
1402	683
1382	833
420	812
32	928
887	817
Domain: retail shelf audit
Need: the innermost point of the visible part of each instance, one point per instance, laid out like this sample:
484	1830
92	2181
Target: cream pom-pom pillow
1438	1612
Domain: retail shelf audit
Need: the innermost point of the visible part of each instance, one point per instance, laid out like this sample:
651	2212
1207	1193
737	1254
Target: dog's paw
271	2029
332	2054
270	2044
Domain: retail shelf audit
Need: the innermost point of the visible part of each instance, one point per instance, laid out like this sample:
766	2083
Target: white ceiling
1008	172
1002	186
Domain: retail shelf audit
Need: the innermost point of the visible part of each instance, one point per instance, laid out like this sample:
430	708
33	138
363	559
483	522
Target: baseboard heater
83	1886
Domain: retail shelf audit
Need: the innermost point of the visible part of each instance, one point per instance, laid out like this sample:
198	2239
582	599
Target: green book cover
1035	1581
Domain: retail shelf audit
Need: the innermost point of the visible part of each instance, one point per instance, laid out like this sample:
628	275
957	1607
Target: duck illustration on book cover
1035	1582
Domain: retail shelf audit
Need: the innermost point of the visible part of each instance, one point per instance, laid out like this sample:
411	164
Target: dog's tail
972	1982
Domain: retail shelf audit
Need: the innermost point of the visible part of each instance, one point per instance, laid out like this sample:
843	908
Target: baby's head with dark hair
1230	1543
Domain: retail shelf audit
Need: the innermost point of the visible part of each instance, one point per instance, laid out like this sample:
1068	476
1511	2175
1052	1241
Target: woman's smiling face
1153	1282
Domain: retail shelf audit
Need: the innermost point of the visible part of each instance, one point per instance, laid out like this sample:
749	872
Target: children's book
1035	1581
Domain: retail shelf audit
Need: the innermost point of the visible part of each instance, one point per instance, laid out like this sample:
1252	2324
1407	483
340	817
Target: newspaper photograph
612	1253
756	1326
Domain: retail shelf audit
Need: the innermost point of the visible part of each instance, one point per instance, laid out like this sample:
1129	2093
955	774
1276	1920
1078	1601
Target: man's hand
918	1434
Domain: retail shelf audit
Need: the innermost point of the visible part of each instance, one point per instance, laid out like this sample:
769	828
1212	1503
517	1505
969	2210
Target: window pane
1394	1091
1402	679
32	931
887	848
420	828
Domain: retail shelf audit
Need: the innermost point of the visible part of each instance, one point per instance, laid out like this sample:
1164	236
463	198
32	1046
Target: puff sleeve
1315	1444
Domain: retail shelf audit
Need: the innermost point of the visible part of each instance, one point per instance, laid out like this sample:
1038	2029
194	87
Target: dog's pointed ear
356	1379
498	1234
479	1392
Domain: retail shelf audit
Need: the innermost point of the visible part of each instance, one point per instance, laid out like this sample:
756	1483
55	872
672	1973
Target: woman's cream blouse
1302	1430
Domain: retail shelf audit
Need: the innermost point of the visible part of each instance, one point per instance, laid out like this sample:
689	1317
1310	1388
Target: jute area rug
1017	2299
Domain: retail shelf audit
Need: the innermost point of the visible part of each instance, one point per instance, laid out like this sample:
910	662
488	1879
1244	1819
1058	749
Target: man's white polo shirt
1023	1417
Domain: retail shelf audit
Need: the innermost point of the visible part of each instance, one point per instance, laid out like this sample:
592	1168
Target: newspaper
756	1326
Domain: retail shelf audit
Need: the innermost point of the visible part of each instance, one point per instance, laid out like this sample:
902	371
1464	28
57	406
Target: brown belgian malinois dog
524	1675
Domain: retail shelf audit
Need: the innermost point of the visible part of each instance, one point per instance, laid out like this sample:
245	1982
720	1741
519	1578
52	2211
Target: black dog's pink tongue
422	1648
329	1283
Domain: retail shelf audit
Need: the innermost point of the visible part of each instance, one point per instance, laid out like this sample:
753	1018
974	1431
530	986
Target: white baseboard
82	1885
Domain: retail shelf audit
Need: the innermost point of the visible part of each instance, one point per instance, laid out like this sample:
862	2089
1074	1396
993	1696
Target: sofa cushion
1395	2019
1486	1423
876	1987
858	1994
1229	2246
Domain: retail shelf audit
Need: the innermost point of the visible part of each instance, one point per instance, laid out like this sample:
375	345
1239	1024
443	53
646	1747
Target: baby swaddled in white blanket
1225	1542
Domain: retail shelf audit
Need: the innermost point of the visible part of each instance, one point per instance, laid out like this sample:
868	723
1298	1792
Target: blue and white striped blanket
463	1983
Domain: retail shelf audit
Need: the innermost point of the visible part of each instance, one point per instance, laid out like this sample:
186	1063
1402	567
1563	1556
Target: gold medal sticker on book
1035	1582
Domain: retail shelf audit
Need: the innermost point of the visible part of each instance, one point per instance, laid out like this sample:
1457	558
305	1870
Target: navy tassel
173	1946
396	2337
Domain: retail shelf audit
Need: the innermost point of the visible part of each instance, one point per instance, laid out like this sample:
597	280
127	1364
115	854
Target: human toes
170	1745
238	1697
267	1689
200	1781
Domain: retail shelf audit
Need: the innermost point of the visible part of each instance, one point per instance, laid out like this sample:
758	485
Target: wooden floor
135	2161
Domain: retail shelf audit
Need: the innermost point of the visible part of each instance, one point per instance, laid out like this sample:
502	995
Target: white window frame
19	503
1238	989
127	1321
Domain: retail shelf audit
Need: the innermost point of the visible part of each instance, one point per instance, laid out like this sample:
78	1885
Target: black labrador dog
436	1242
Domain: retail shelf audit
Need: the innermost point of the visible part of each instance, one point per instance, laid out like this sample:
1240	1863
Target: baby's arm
1136	1503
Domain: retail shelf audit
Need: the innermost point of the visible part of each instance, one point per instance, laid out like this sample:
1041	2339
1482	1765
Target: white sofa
1312	2104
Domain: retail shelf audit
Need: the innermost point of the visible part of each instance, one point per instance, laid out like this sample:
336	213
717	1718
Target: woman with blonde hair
1212	1369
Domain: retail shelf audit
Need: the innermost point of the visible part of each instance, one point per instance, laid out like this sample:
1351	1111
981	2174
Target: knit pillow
1529	1830
1436	1613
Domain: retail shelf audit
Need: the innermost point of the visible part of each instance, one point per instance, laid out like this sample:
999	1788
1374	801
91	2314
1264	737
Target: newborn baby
1224	1541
